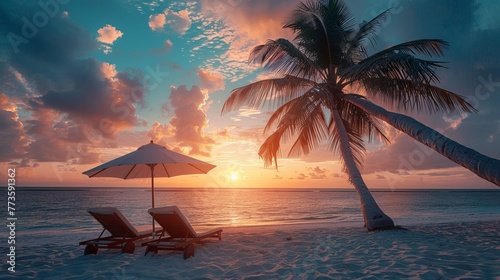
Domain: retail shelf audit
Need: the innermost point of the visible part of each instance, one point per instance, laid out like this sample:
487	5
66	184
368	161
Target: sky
83	82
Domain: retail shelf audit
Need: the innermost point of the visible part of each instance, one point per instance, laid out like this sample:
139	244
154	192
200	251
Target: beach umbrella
150	161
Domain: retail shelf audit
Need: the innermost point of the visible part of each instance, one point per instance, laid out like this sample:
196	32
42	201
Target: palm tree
316	75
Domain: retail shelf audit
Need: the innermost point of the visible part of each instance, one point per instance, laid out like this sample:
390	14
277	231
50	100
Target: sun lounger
123	234
181	236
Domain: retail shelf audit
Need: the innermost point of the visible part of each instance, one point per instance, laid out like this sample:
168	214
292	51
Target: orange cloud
156	22
247	24
317	172
70	125
108	34
54	139
248	112
161	134
108	70
187	126
14	142
256	20
177	21
211	80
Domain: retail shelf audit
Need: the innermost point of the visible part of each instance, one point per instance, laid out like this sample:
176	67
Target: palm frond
270	149
367	31
301	118
284	58
412	96
303	16
398	66
427	47
313	127
313	94
313	131
321	29
280	113
361	122
271	91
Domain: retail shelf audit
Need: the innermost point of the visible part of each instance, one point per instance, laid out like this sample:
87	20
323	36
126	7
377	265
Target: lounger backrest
173	222
113	221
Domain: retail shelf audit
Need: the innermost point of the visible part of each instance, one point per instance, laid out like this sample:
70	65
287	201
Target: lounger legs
129	247
153	249
189	251
90	249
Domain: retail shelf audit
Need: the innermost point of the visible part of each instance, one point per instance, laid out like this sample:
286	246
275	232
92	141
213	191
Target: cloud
108	35
249	112
189	119
211	80
167	46
54	140
14	142
70	124
187	125
156	22
176	21
163	134
108	70
317	172
95	97
301	176
437	174
404	153
58	31
67	106
245	25
257	21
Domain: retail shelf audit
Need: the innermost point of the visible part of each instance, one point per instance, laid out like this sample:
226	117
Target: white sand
468	250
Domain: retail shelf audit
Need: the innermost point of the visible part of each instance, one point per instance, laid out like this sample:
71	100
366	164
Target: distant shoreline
188	189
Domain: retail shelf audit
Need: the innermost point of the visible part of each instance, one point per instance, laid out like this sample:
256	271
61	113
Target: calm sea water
49	215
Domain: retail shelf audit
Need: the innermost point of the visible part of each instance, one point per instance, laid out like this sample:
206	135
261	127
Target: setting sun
233	177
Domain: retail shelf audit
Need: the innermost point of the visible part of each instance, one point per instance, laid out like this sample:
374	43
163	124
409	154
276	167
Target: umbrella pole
153	193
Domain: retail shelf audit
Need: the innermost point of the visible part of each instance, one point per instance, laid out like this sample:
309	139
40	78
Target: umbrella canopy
138	164
150	161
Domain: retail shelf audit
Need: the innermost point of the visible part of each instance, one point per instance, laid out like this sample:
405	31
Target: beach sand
468	250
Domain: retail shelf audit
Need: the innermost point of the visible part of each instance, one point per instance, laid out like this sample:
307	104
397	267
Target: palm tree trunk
483	166
373	216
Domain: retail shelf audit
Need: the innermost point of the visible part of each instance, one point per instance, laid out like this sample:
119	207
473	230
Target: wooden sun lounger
181	235
123	234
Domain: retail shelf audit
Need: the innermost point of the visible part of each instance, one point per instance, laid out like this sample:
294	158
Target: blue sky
100	78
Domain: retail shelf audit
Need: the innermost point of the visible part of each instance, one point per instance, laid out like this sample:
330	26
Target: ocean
59	214
52	221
